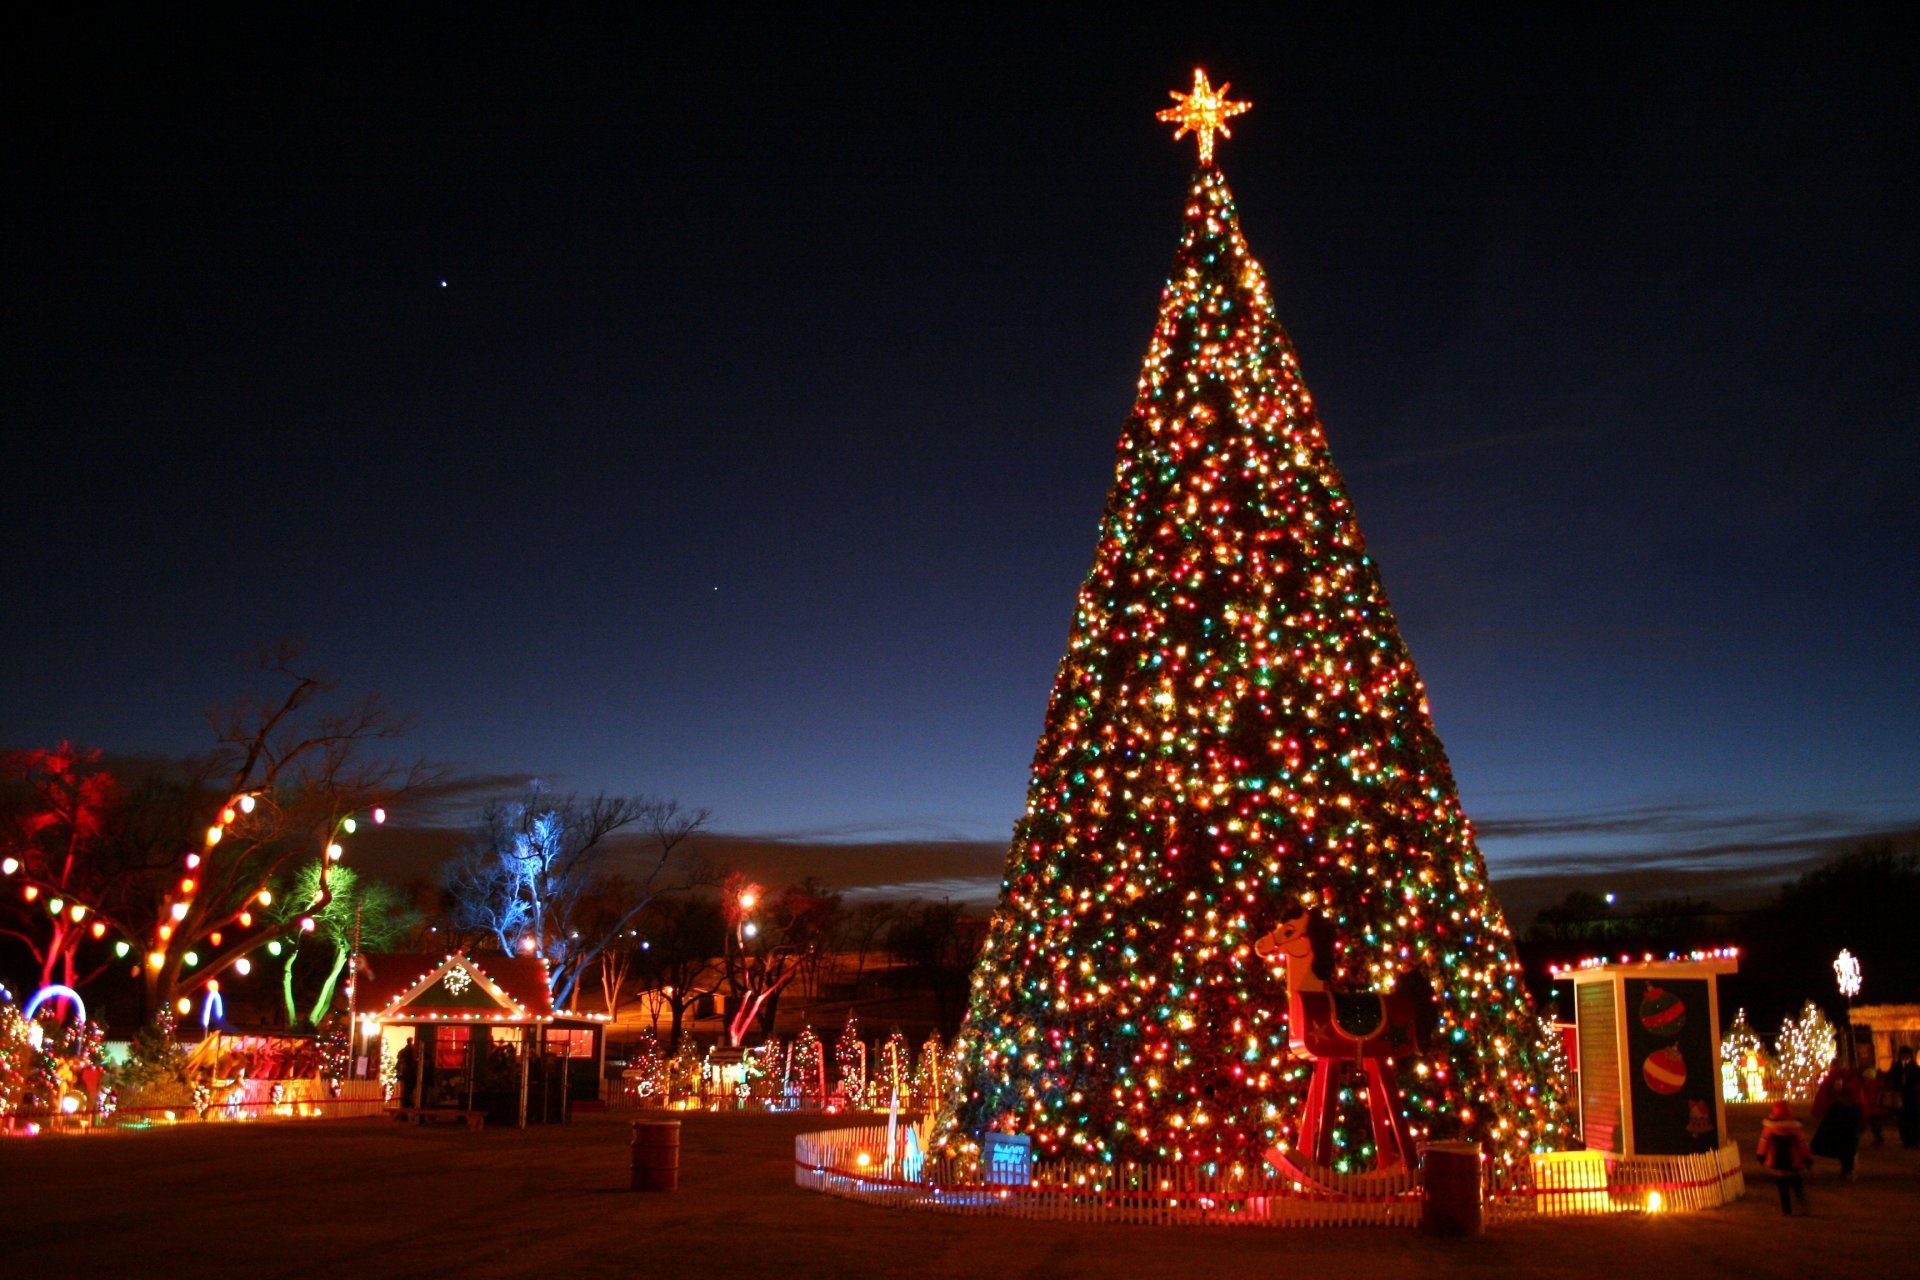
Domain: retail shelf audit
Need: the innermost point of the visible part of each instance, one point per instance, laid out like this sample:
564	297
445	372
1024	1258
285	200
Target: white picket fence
855	1164
1587	1182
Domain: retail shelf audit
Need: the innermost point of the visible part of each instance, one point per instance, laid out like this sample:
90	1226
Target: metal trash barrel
656	1155
1450	1176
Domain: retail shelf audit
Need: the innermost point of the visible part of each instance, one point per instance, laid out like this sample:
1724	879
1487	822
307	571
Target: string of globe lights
176	904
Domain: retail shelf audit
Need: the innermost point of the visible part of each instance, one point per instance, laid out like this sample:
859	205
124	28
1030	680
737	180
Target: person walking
1900	1088
406	1069
1785	1155
1840	1106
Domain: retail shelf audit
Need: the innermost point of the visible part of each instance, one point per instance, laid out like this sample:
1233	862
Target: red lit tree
769	939
1236	731
55	850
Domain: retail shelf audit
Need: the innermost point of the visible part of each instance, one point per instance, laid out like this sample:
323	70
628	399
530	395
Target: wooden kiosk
487	1043
1648	1034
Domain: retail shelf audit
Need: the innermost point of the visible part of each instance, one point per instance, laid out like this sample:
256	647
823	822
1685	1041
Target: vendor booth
478	1038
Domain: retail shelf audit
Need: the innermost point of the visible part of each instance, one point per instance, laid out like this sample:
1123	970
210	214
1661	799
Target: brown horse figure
1338	1028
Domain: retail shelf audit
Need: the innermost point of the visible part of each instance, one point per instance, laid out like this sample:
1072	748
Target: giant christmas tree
1236	731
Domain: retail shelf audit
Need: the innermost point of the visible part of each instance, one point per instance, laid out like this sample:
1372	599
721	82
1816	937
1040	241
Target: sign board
1006	1159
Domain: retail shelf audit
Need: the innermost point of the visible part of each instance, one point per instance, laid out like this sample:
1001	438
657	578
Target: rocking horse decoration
1340	1028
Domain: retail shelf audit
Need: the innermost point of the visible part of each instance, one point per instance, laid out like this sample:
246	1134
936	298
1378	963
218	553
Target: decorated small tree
1745	1062
1803	1050
685	1071
850	1062
1238	741
930	1076
807	1068
648	1069
154	1076
893	1070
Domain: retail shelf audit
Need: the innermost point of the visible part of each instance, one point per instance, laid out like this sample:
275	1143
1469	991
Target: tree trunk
324	1000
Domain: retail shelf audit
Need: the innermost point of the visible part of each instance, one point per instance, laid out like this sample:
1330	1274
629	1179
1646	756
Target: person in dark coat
1900	1086
1784	1153
406	1069
1841	1108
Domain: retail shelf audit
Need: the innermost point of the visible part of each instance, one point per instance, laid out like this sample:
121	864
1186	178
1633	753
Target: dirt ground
370	1198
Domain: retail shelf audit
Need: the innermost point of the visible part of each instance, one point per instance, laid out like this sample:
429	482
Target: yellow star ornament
1202	113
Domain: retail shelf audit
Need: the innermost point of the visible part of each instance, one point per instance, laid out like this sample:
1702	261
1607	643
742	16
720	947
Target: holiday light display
1236	732
1745	1063
806	1078
850	1062
647	1070
893	1073
931	1074
1803	1050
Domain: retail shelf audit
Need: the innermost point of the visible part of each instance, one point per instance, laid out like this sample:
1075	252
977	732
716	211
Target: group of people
1845	1106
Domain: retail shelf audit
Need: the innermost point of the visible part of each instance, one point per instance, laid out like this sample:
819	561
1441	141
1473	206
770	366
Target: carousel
477	1039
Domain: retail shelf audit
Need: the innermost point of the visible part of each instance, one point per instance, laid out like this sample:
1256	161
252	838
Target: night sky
724	409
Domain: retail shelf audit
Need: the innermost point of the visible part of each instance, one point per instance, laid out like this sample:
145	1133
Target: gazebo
487	1038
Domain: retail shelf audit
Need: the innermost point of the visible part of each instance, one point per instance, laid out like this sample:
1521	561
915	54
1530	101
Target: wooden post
526	1065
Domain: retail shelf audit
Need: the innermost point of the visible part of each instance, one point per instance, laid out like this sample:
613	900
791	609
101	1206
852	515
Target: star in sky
1202	112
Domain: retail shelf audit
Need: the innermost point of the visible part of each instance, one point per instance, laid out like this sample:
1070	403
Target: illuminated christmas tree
1803	1050
850	1060
1236	732
1745	1063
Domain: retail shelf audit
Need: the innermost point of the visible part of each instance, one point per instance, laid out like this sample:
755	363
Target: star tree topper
1202	113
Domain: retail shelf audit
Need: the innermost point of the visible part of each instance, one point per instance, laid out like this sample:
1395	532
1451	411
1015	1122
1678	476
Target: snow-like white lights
1846	971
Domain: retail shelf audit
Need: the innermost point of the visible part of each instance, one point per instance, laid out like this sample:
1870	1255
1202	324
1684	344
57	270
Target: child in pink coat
1785	1152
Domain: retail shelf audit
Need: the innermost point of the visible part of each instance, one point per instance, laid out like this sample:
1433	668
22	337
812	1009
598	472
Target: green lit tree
358	908
1236	730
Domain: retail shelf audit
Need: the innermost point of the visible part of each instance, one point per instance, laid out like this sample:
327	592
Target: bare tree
939	946
685	939
283	785
769	938
536	876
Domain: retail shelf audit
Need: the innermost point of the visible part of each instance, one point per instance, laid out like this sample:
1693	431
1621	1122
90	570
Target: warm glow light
246	804
193	861
1203	113
183	1004
214	834
31	892
100	930
246	919
1846	971
178	911
334	851
78	913
227	814
264	897
747	900
306	924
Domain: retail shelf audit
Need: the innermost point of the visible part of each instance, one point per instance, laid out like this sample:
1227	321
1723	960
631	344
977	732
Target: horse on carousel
1340	1027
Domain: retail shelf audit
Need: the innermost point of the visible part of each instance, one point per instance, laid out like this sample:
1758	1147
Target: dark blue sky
753	449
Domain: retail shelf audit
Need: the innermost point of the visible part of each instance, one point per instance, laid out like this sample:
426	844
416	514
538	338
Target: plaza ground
371	1198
